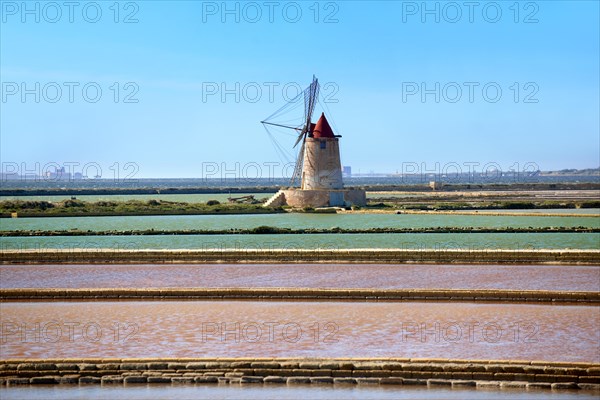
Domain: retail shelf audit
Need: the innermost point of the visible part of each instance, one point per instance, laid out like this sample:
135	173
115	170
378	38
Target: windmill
317	165
310	96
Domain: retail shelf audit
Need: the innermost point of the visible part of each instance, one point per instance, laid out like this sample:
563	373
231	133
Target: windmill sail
310	96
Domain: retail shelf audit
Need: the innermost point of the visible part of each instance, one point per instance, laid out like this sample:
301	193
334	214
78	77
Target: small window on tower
323	143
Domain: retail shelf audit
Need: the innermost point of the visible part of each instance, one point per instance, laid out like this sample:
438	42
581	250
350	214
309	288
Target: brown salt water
524	277
297	329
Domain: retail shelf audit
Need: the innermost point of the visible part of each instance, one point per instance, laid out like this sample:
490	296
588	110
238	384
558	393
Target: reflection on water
525	277
183	392
296	329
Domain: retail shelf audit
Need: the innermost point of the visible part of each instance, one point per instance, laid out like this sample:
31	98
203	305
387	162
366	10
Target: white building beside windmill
318	166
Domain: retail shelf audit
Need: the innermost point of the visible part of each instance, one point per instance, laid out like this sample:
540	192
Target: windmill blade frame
314	94
310	100
298	167
310	95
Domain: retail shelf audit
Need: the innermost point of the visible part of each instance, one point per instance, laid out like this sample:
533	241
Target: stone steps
278	199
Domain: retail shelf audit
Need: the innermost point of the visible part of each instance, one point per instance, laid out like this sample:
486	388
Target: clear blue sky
376	56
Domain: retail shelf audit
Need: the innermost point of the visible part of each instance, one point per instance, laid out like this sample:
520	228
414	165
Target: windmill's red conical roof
322	128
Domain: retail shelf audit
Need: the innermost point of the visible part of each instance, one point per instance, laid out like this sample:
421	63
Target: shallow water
473	241
300	329
380	276
291	220
260	392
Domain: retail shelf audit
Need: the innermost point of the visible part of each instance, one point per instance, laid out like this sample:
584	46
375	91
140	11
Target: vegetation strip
269	230
466	204
494	214
394	371
75	207
302	294
78	208
277	256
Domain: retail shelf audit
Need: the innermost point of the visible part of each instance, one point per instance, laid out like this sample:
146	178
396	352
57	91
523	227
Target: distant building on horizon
347	171
58	174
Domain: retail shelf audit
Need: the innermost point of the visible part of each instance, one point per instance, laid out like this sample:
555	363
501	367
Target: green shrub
73	203
263	229
590	204
106	204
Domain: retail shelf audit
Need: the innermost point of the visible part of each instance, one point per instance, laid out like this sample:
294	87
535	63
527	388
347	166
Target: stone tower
321	167
318	166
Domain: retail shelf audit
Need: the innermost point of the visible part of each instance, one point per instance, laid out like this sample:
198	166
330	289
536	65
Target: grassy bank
78	208
430	204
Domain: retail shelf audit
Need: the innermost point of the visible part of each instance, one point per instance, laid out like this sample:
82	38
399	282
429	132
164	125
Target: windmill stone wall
321	198
321	168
